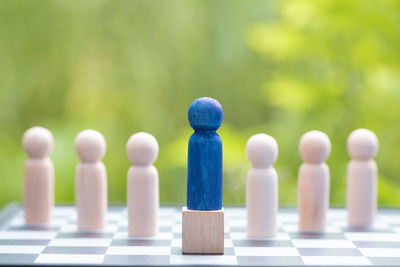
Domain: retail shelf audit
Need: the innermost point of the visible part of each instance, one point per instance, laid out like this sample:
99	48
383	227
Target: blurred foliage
278	67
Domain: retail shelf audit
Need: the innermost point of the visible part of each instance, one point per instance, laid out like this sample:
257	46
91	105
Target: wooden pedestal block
202	231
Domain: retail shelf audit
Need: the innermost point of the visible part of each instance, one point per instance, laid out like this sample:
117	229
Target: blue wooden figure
204	176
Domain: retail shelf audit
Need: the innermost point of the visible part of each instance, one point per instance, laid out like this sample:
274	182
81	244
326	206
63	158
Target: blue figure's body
204	177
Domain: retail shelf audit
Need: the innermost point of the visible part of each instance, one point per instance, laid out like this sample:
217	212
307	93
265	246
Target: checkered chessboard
62	243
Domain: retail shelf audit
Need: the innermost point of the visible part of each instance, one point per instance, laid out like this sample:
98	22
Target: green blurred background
277	67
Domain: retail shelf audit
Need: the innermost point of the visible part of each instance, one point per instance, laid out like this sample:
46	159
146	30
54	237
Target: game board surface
61	243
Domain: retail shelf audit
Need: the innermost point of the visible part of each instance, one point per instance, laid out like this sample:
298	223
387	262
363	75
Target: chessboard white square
235	213
203	260
176	243
237	223
390	237
288	218
378	225
228	243
20	221
177	229
114	216
73	228
123	222
17	249
165	223
266	251
336	214
322	243
64	211
290	228
167	211
333	260
137	250
69	259
294	228
381	252
159	236
80	242
243	236
391	218
381	224
28	235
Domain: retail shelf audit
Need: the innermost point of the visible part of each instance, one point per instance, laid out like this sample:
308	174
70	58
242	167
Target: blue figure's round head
205	113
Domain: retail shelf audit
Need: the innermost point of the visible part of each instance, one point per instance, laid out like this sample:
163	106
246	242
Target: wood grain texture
38	190
204	176
262	186
362	174
313	181
38	143
361	199
202	231
313	196
90	181
91	195
143	201
142	188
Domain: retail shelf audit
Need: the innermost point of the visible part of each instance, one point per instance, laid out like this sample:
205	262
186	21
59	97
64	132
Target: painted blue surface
204	176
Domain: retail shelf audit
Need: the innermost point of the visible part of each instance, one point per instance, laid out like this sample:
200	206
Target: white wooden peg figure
143	191
91	180
362	146
262	186
38	143
313	182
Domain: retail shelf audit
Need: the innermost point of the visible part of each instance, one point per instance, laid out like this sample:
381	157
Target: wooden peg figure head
90	146
262	150
38	142
142	149
314	147
205	114
362	144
